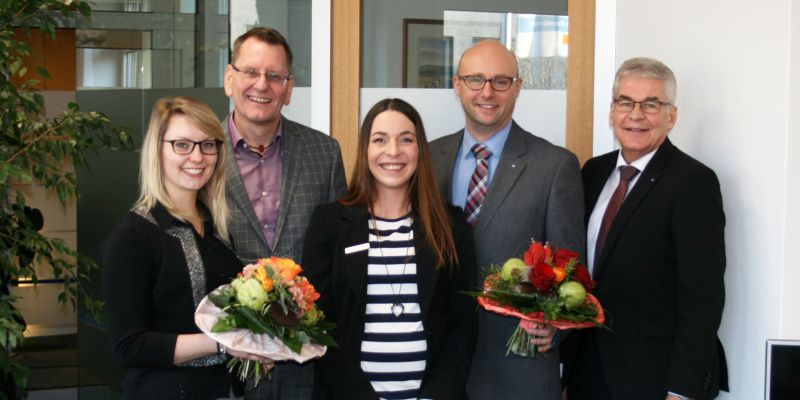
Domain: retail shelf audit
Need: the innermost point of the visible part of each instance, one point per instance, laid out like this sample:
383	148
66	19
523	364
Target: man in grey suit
532	191
280	171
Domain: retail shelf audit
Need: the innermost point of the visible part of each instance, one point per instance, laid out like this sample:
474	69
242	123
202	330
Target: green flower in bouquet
249	293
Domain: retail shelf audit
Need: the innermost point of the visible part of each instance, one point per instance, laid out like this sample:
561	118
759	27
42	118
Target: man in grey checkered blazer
278	172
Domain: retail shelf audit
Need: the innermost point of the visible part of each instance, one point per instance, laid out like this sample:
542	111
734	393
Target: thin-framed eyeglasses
477	82
185	147
273	78
647	106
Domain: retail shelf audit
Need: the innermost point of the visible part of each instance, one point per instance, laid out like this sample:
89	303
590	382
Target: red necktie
626	174
478	183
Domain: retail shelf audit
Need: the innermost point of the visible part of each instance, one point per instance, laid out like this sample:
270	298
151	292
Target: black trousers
586	380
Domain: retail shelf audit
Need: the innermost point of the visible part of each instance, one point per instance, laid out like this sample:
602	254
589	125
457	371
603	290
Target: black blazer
660	276
448	315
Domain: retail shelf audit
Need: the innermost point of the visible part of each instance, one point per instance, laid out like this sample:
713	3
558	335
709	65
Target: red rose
542	277
548	253
535	254
563	257
581	274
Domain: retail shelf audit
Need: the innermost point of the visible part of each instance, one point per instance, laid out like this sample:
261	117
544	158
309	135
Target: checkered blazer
313	174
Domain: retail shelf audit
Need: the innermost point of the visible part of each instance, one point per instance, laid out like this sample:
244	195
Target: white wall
790	322
735	62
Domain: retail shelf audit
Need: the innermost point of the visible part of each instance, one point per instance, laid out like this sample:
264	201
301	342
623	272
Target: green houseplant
35	150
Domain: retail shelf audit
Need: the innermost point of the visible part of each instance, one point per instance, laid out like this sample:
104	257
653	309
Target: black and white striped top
393	349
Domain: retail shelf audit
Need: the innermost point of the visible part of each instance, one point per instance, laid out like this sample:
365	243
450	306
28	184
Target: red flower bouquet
547	286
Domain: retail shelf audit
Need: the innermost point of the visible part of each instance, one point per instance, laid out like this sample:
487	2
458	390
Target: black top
151	295
335	261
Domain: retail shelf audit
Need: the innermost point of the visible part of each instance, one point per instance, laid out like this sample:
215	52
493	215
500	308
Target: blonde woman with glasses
166	254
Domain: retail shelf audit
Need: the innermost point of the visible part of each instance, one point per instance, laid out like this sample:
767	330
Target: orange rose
286	268
263	276
561	273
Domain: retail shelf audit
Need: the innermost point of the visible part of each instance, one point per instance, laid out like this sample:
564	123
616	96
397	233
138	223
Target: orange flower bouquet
269	310
547	286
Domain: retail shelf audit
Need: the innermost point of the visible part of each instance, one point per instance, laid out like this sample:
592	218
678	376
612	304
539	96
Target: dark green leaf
326	326
293	344
84	8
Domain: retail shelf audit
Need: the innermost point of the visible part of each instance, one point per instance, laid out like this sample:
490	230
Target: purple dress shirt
262	176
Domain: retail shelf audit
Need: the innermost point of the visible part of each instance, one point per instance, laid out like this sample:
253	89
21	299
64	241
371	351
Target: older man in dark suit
656	248
280	171
514	187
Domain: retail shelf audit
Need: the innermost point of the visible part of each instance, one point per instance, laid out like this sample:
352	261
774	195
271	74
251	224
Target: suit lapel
509	168
650	176
235	187
446	161
355	231
291	155
593	185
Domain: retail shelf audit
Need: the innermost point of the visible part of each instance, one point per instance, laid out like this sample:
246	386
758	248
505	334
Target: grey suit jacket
535	193
313	174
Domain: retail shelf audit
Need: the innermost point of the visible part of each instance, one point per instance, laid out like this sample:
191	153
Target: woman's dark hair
427	203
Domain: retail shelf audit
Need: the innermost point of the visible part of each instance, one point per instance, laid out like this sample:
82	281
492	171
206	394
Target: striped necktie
478	184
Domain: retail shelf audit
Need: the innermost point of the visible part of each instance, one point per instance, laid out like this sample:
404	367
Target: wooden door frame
346	77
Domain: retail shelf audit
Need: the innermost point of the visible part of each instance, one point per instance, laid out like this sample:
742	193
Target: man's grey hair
648	68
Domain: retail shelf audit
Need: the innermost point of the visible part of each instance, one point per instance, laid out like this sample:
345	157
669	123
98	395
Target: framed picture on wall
427	54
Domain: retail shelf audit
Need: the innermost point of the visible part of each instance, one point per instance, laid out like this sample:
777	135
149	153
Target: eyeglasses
647	106
185	147
273	78
477	82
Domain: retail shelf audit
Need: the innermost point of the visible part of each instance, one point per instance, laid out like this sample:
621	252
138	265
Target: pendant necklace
397	307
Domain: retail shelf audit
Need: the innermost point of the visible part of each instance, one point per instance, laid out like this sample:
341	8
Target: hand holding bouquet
547	286
268	310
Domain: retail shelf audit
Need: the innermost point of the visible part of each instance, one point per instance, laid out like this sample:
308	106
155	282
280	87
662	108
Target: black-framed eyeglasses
185	147
273	78
647	106
477	82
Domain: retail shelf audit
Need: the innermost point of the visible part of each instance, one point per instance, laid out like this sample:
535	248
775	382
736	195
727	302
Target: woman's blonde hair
151	171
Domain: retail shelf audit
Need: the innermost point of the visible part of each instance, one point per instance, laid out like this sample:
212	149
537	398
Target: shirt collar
238	141
494	143
640	164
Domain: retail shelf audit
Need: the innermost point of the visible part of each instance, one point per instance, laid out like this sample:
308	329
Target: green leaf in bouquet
221	299
303	337
324	325
322	338
224	325
255	323
292	343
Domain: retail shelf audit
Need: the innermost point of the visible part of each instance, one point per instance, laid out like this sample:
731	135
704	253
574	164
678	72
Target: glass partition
128	55
411	50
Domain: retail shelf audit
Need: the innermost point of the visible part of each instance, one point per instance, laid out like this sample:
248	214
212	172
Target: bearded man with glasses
514	187
280	171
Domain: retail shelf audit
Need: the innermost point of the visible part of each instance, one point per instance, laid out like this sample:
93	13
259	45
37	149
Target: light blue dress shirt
466	161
